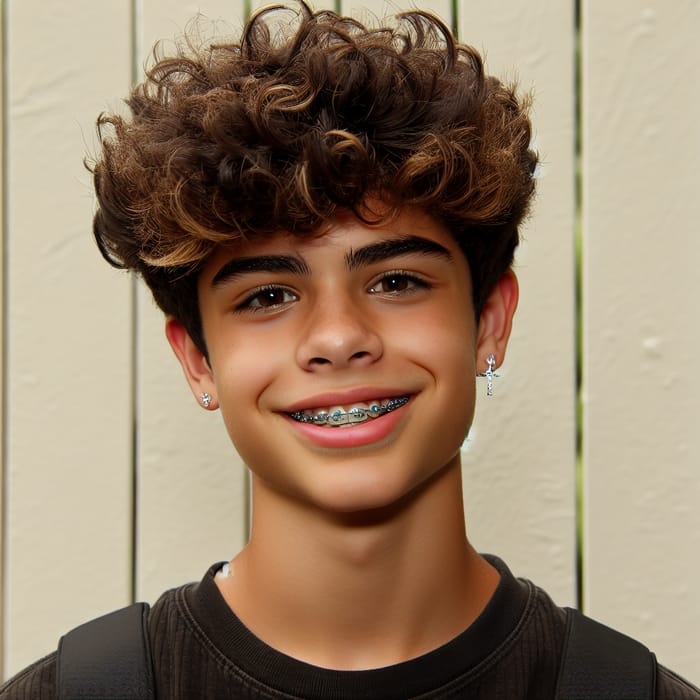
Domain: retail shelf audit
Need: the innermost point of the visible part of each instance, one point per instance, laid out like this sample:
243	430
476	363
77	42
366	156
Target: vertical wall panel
68	508
520	459
642	388
191	484
367	12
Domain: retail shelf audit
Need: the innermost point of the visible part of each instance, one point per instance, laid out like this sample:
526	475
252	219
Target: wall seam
136	24
578	317
3	311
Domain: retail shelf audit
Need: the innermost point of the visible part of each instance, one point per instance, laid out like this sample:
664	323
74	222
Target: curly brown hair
283	129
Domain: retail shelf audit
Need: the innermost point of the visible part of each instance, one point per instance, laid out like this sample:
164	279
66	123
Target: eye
269	298
398	283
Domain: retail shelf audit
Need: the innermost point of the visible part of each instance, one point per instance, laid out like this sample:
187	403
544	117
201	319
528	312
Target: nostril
359	355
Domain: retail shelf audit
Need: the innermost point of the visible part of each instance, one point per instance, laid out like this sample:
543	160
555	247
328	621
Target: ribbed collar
496	628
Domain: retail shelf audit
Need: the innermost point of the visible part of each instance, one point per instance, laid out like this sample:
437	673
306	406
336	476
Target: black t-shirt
202	650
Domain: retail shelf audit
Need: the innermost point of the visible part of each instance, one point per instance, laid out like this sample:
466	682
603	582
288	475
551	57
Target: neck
355	591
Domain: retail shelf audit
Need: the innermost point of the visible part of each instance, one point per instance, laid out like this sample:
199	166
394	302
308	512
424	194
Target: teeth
338	417
359	413
319	418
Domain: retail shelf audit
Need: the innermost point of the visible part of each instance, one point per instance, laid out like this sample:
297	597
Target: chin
374	498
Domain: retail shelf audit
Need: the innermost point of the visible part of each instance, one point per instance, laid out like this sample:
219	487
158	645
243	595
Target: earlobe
194	364
496	321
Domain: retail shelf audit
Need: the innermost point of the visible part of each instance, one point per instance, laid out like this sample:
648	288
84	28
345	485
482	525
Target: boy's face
378	319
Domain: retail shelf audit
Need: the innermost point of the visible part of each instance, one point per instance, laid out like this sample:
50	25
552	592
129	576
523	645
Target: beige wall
642	322
117	485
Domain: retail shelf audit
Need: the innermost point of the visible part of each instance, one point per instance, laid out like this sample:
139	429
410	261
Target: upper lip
344	398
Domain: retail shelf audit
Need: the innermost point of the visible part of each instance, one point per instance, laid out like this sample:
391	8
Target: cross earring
489	374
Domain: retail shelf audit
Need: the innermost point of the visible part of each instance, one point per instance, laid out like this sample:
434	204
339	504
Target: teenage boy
328	220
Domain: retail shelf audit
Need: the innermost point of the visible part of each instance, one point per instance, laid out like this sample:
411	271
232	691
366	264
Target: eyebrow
354	259
394	248
259	263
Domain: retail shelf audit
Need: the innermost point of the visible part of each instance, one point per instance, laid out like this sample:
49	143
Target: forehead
411	231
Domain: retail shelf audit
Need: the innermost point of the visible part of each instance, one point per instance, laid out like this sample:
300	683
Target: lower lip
371	431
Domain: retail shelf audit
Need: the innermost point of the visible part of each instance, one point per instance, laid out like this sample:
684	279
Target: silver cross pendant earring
489	374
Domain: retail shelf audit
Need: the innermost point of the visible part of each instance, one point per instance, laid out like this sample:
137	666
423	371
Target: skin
358	556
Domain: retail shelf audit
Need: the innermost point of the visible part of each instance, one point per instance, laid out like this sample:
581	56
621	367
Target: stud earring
489	374
205	399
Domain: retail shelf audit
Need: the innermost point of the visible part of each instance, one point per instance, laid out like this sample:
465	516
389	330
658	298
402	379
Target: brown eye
270	297
398	283
267	298
395	284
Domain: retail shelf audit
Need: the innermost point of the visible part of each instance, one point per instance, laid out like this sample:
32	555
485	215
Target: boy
328	221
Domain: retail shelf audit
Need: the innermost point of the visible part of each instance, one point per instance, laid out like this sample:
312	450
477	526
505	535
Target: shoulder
550	630
170	619
36	682
670	686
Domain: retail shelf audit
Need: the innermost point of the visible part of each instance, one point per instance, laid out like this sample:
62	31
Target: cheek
241	375
461	392
444	343
452	364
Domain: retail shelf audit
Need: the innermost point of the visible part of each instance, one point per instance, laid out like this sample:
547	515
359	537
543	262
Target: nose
338	335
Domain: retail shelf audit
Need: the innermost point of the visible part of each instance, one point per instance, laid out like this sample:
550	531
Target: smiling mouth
336	417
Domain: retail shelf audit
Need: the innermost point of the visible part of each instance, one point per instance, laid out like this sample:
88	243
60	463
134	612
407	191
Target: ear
194	363
496	321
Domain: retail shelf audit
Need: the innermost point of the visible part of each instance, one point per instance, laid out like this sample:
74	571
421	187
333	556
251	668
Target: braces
354	415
